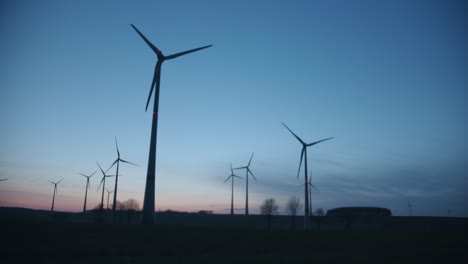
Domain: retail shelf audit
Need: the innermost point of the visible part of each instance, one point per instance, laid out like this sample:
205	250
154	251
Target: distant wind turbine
55	191
232	176
148	202
88	186
247	172
310	193
410	206
108	193
103	182
306	190
117	161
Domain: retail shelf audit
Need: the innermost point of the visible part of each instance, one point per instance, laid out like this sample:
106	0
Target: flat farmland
26	242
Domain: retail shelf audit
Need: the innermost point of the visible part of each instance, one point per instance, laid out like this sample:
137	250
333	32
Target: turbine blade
227	178
84	175
298	138
157	69
117	160
153	47
124	161
314	187
117	146
52	182
300	162
60	181
103	173
92	174
249	171
102	180
237	176
173	56
316	142
240	168
250	159
230	164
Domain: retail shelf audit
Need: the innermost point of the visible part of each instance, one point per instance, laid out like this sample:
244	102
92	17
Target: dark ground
93	243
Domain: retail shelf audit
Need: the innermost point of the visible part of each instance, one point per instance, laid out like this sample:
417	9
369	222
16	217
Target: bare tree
319	212
132	205
293	206
269	208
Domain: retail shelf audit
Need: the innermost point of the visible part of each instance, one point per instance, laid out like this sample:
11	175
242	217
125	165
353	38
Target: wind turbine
88	186
410	206
148	202
103	182
247	171
232	187
117	161
306	190
55	191
108	193
309	182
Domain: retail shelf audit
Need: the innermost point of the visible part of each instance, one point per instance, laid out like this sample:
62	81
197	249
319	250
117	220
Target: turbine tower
306	189
232	187
148	202
88	186
117	161
103	182
247	172
55	191
108	194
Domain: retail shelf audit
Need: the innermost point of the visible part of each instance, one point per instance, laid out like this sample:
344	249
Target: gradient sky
387	79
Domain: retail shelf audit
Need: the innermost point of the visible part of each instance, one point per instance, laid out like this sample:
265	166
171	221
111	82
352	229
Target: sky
387	79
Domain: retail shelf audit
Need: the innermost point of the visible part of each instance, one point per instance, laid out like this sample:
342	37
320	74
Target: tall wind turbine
117	161
247	172
232	176
108	194
306	189
103	182
55	191
88	186
148	202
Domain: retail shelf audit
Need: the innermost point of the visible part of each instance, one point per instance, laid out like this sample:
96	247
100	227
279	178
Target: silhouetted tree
293	206
269	208
129	207
319	212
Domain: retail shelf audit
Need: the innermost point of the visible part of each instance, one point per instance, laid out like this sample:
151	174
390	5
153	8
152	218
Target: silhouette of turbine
103	182
306	190
310	193
117	161
247	171
148	202
108	193
55	191
410	206
88	186
232	187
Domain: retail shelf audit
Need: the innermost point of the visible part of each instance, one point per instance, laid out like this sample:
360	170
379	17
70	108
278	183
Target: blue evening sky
387	79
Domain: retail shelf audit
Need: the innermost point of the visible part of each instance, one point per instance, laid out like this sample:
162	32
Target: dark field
93	243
